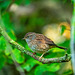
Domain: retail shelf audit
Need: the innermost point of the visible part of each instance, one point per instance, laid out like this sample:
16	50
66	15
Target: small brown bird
39	43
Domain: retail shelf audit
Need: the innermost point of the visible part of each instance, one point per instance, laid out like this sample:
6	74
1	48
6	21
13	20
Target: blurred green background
49	17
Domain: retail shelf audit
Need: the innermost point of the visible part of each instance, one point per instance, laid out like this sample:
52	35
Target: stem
65	58
72	44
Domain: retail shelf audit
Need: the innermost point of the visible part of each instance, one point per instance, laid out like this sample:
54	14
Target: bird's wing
44	39
40	39
49	41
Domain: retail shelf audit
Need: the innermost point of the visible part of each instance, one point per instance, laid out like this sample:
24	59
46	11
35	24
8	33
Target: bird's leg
41	56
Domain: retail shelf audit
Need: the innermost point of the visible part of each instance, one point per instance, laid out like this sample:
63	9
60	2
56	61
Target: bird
39	43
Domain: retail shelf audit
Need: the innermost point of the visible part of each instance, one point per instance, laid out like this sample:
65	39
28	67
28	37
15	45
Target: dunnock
39	43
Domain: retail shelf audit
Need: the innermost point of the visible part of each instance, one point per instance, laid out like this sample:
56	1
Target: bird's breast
38	47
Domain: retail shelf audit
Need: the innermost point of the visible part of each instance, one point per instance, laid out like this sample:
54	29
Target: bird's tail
61	47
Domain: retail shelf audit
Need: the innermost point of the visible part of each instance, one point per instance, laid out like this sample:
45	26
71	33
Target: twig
65	58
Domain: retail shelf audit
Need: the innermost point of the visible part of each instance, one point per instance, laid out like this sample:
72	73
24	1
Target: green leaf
55	50
27	2
4	4
24	2
40	69
2	43
9	60
29	64
62	29
8	25
12	34
27	47
64	1
49	73
43	68
2	61
8	49
19	2
7	21
54	67
68	72
17	56
20	69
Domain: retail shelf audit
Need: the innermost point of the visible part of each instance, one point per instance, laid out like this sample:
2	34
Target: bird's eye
29	36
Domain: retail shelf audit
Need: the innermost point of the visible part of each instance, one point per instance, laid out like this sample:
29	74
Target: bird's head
29	36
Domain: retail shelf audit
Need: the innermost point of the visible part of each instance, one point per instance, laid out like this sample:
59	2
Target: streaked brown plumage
39	43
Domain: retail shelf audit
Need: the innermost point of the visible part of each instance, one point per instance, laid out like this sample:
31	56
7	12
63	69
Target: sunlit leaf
7	49
17	56
54	67
12	34
57	50
43	68
29	64
62	29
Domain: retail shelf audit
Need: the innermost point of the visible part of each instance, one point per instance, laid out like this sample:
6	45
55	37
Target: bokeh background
52	18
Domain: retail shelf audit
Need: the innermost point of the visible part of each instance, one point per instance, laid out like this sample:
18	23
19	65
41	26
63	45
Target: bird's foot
40	58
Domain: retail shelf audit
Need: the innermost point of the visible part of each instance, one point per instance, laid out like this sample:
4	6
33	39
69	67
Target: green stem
73	38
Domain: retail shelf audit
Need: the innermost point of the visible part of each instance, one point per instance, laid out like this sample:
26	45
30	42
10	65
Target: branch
65	58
